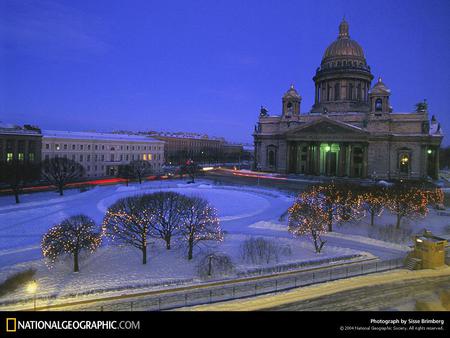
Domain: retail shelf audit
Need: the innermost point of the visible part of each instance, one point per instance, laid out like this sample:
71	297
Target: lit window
21	156
149	157
404	163
9	157
31	157
144	157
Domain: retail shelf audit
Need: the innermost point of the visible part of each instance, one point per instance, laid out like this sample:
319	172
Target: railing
254	287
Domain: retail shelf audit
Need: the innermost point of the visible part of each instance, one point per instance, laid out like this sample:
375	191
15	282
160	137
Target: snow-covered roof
13	129
80	135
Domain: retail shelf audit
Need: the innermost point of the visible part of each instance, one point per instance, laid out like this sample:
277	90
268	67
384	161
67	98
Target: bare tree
308	217
340	202
17	174
139	169
374	200
167	210
71	236
200	223
191	169
124	171
127	221
59	171
215	264
407	201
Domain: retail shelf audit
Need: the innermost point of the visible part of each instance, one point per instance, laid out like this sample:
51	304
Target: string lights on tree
71	236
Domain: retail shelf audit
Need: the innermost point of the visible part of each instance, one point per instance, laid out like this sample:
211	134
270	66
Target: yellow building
430	250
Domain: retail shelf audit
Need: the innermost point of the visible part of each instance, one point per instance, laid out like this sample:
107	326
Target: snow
243	211
79	135
114	268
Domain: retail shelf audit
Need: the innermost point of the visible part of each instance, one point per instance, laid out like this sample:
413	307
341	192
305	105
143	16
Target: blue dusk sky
205	66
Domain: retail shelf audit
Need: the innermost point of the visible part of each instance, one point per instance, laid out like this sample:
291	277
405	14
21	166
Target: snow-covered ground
243	211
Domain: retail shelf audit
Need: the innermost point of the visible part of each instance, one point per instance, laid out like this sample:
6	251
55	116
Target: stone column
436	165
351	171
365	161
342	153
317	160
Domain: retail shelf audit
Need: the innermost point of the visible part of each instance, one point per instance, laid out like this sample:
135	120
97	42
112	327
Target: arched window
271	157
337	89
378	105
404	163
329	94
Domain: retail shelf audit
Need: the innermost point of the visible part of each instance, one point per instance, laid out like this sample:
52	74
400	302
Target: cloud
49	28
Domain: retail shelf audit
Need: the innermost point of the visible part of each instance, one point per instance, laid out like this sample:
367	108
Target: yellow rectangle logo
11	324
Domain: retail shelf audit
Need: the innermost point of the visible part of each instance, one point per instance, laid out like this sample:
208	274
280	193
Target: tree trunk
144	254
372	217
16	195
330	220
75	262
61	190
399	218
167	239
191	247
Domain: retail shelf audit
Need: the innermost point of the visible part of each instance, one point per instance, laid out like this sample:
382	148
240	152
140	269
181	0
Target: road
378	291
390	296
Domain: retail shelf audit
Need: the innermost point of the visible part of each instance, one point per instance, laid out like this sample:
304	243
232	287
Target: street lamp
32	288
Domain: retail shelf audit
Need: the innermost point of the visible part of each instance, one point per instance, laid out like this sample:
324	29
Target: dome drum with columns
351	129
343	79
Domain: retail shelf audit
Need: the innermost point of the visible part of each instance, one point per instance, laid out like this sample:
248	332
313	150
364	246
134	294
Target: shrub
262	251
215	265
14	281
391	234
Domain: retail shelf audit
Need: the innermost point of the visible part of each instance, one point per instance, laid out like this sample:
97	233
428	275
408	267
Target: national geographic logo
14	325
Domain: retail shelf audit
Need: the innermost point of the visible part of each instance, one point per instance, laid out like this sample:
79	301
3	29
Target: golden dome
344	46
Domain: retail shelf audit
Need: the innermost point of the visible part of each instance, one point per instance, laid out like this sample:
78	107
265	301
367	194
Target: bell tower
379	98
291	103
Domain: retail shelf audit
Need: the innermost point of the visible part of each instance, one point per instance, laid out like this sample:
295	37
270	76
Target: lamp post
32	288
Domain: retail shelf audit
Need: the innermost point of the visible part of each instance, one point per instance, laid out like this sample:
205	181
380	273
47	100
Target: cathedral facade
351	130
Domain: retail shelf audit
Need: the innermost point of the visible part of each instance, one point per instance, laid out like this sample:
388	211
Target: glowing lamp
327	148
429	151
32	287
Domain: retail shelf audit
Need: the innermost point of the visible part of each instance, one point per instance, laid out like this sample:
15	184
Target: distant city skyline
204	67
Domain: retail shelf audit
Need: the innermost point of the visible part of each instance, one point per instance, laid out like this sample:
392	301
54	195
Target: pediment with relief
326	126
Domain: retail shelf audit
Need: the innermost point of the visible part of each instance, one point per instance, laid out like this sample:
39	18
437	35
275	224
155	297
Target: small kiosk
429	250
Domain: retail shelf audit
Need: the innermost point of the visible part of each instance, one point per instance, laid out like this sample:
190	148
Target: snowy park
244	213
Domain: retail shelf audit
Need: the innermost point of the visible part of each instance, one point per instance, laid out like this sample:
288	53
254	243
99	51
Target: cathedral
351	130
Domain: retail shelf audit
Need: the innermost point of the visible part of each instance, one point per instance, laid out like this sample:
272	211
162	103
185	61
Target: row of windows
344	63
112	157
20	157
325	93
21	145
58	147
102	168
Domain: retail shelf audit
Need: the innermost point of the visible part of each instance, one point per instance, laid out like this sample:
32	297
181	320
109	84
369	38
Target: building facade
101	153
182	146
20	143
351	130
